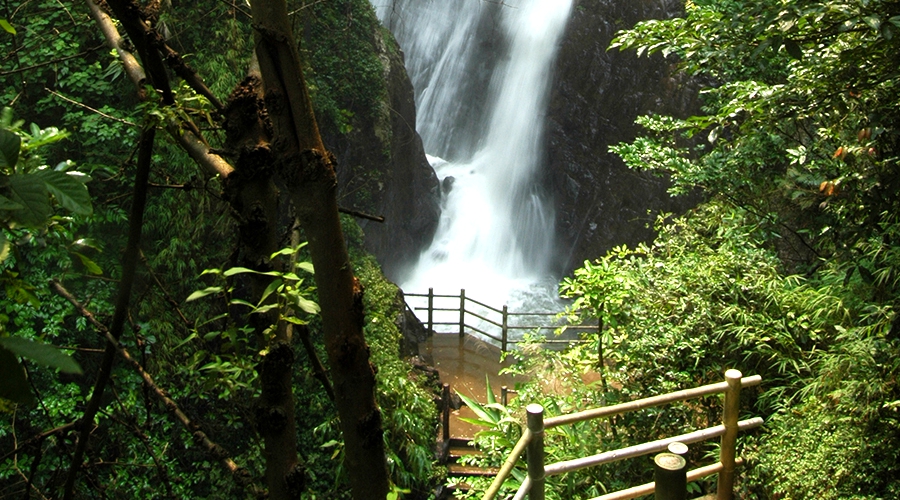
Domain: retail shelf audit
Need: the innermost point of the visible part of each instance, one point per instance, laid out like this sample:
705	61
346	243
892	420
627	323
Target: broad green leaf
199	294
873	21
88	264
306	266
269	289
69	191
490	392
43	137
89	243
9	149
7	27
306	305
43	354
475	421
294	320
264	309
478	409
7	204
239	302
13	382
288	250
185	341
30	191
793	49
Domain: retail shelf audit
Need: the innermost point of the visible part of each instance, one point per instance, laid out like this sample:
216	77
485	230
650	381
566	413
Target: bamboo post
725	489
504	395
535	454
670	476
462	311
504	329
431	310
445	421
601	361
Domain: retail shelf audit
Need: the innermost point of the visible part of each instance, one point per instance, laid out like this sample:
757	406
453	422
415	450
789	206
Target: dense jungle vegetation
788	269
209	304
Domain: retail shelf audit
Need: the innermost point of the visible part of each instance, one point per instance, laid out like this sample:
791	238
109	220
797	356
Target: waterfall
481	71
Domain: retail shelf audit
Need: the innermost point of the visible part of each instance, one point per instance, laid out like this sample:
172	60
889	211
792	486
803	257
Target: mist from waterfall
481	71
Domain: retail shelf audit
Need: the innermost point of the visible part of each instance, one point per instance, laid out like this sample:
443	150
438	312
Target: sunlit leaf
89	265
4	246
7	27
203	293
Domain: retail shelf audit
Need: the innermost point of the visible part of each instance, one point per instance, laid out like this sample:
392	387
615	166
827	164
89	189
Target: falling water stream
481	71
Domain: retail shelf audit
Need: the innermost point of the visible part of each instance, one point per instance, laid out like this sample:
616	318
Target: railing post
504	395
725	489
505	329
431	310
445	423
535	453
670	477
462	311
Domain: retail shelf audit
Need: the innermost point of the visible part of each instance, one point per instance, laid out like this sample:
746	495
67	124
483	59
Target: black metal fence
500	321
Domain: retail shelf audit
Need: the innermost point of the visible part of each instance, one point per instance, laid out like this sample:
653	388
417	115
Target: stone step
464	451
457	470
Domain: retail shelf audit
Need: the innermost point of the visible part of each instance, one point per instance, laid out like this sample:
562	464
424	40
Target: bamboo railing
532	440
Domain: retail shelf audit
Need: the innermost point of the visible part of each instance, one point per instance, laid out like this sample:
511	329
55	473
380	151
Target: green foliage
345	77
57	69
801	123
26	187
26	182
789	270
409	415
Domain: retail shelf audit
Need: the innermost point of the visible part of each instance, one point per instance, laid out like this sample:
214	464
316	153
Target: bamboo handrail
640	404
645	448
732	376
650	488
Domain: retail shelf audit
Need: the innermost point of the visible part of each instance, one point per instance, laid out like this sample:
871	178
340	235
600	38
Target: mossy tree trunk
306	170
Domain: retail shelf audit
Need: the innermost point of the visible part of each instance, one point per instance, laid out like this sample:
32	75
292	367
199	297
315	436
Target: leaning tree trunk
306	170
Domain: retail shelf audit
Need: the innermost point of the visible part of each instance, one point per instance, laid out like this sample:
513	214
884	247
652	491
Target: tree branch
40	437
194	145
129	267
240	474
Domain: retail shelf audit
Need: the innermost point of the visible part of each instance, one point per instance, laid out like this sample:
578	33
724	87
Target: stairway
456	471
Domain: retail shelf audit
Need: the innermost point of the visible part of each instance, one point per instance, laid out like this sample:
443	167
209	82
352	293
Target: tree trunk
307	172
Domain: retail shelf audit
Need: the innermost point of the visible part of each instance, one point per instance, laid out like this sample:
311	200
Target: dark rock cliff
595	98
367	115
410	198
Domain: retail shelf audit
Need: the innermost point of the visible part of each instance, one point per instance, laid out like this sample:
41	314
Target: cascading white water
481	72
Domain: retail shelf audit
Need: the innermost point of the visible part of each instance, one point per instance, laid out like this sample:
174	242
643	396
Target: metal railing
504	324
533	440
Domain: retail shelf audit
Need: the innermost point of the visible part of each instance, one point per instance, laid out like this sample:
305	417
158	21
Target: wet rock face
383	169
411	201
595	98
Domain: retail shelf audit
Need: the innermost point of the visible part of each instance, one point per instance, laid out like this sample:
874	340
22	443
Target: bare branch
92	110
194	145
240	474
129	267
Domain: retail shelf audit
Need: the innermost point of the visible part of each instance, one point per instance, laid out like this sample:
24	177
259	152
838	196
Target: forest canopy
168	324
180	315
